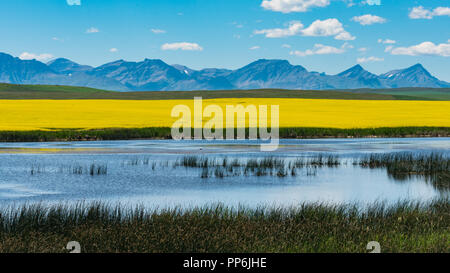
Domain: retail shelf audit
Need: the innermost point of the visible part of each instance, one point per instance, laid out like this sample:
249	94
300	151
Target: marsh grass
404	227
435	167
145	161
94	169
56	134
37	169
266	166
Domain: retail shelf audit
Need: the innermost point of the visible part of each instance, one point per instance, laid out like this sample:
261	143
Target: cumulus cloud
255	47
182	46
372	2
92	30
287	6
441	11
350	3
41	57
345	36
363	49
286	46
425	48
74	2
294	28
387	41
320	49
369	19
422	13
328	27
389	48
158	31
113	50
369	59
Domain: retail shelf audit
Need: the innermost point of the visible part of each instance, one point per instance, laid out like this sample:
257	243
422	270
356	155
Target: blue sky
321	35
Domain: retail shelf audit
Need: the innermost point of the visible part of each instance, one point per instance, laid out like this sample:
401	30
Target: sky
322	35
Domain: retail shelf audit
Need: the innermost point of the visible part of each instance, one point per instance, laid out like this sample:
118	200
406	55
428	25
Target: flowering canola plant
21	115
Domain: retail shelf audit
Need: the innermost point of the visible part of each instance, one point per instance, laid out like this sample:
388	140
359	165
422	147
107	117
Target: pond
152	172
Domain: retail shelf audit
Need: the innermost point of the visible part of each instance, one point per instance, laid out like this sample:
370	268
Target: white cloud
441	11
369	19
369	59
255	47
294	28
41	57
372	2
113	50
92	30
286	46
182	46
74	2
425	48
387	41
287	6
345	36
158	31
422	13
320	49
389	48
328	27
363	49
350	3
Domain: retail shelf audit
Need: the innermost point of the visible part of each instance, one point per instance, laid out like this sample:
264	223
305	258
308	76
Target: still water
143	172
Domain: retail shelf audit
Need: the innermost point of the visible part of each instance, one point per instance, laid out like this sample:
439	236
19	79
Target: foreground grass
165	133
405	227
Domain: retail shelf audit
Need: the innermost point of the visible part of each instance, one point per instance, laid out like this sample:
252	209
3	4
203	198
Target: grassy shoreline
165	133
310	228
19	92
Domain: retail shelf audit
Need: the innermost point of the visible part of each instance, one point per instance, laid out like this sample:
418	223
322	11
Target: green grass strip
165	133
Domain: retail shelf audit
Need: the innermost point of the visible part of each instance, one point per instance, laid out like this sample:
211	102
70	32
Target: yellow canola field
91	114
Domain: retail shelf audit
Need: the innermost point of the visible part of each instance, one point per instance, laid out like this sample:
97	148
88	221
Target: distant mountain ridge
156	75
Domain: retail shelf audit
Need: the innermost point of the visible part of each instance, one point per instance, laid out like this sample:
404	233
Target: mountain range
156	75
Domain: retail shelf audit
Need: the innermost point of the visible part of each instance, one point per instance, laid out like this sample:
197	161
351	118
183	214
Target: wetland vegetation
165	133
98	227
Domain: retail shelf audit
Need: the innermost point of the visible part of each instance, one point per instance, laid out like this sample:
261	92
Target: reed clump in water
137	161
433	167
404	227
93	169
267	166
37	169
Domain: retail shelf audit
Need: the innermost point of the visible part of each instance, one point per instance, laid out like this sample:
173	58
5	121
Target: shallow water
157	183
